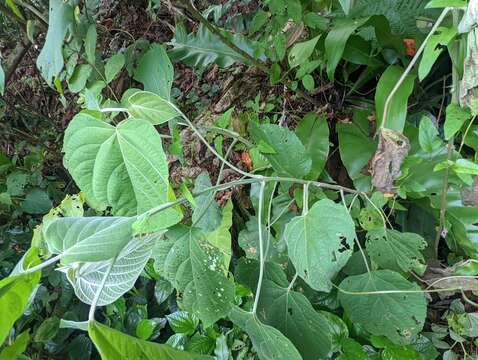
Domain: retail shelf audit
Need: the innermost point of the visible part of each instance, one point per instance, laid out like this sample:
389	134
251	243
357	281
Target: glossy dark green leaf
183	322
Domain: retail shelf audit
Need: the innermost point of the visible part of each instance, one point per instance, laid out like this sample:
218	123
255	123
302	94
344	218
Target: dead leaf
393	148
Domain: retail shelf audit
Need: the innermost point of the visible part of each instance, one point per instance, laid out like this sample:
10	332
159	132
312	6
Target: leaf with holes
123	167
196	269
320	243
128	265
397	315
397	251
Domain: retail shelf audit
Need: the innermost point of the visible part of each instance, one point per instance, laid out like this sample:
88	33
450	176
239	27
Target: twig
451	147
261	249
410	66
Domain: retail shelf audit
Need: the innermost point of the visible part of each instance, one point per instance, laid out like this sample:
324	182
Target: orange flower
410	47
246	159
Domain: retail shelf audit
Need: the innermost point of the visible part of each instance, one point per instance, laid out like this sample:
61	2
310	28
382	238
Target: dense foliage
265	180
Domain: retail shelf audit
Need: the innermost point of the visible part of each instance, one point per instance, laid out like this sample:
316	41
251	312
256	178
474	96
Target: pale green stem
91	315
261	249
411	65
42	265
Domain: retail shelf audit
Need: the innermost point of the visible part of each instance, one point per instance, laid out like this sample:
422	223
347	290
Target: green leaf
258	21
320	243
50	61
162	290
434	47
148	106
446	3
15	292
352	350
221	237
16	182
124	167
268	342
294	10
90	44
300	52
464	166
155	71
397	251
356	149
17	348
346	5
207	214
89	238
314	333
114	345
78	79
15	9
397	110
336	39
36	201
428	135
308	82
456	116
249	241
183	322
201	344
145	329
289	157
196	269
86	278
113	66
313	132
398	316
203	48
47	330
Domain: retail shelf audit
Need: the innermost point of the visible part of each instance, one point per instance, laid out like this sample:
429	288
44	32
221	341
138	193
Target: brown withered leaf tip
393	148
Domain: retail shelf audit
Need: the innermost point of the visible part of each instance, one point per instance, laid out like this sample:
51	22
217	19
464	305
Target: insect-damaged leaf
269	342
320	243
398	316
397	251
123	167
196	269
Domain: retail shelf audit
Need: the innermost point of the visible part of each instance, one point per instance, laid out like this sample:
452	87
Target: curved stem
261	249
43	265
411	65
91	315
